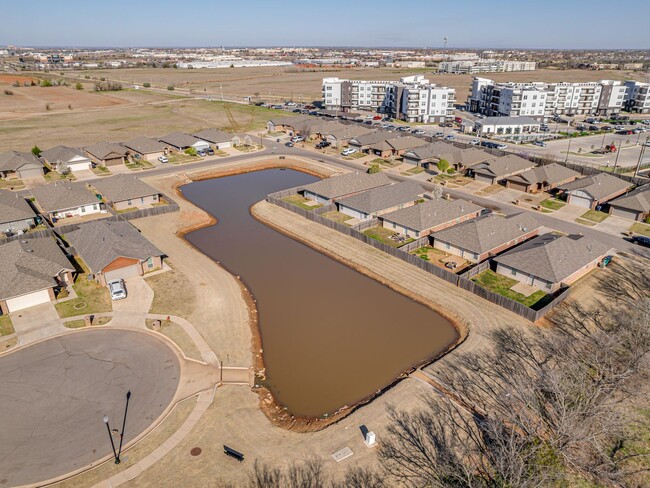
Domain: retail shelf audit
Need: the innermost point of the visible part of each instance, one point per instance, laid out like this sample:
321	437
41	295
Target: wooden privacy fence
403	253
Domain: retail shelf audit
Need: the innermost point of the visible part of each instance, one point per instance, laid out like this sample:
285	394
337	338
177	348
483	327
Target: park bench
229	451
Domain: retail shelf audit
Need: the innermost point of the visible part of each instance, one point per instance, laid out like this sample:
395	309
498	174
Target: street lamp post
618	151
110	436
641	154
118	452
567	151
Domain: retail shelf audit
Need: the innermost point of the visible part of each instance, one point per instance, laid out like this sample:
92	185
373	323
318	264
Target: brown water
331	335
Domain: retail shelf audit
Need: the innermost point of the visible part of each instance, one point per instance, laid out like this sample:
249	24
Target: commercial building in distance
413	98
544	100
485	66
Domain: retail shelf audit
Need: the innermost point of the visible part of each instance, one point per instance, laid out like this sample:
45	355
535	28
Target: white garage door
580	201
79	166
483	179
624	214
123	273
29	300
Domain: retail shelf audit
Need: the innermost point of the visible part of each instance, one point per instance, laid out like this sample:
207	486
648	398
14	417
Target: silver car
117	289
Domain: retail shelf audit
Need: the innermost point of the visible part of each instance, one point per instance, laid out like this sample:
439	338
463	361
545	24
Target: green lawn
101	170
594	216
6	327
54	176
415	171
358	155
641	228
91	297
12	183
501	284
300	201
382	234
552	203
179	158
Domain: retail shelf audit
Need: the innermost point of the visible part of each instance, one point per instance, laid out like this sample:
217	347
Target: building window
150	263
83	209
141	199
128	202
447	245
514	272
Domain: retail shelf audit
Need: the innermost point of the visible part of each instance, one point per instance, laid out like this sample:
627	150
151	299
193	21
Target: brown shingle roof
179	139
638	200
63	196
431	213
551	173
144	145
503	166
384	197
123	187
338	186
106	150
14	207
14	160
599	186
214	136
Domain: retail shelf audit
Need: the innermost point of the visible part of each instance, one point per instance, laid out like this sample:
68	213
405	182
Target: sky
552	24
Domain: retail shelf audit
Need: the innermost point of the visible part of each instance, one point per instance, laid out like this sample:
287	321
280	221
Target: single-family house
634	205
114	250
61	157
430	216
124	191
19	164
218	138
378	201
106	153
400	145
506	126
31	272
61	200
495	170
434	152
478	239
593	191
542	178
15	213
340	134
179	141
286	124
146	148
551	260
363	142
331	189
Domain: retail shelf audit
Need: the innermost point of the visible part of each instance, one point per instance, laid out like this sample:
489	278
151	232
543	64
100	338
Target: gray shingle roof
339	186
552	257
290	120
503	166
599	186
63	196
13	207
14	160
106	150
123	187
29	265
486	233
179	139
62	154
384	197
101	242
431	150
370	138
213	136
144	145
431	213
551	173
406	142
345	132
638	200
508	120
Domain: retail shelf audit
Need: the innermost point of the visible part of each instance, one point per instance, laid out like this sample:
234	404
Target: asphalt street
55	394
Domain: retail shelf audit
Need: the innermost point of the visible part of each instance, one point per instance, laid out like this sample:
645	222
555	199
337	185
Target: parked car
439	134
641	241
290	104
295	139
502	146
418	132
404	128
201	152
539	143
385	126
475	142
594	127
289	144
323	144
297	110
163	159
377	117
117	289
348	152
450	137
210	151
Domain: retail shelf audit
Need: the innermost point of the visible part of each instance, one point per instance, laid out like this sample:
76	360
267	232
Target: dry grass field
147	114
283	83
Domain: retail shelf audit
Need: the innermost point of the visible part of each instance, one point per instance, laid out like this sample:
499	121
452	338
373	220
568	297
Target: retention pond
331	336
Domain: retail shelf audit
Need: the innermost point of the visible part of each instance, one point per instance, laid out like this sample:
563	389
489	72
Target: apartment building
637	98
413	98
485	66
544	100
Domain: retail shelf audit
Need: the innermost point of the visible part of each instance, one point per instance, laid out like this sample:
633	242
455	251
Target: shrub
190	151
36	151
102	79
87	77
374	168
170	87
16	84
146	84
46	83
8	92
443	165
78	86
450	171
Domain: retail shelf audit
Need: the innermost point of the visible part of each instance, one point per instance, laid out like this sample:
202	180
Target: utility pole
618	151
641	154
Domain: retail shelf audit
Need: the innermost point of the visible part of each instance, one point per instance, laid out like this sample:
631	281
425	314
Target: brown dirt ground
305	84
6	79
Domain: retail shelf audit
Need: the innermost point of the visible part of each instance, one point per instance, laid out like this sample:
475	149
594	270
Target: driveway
131	311
54	395
35	323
